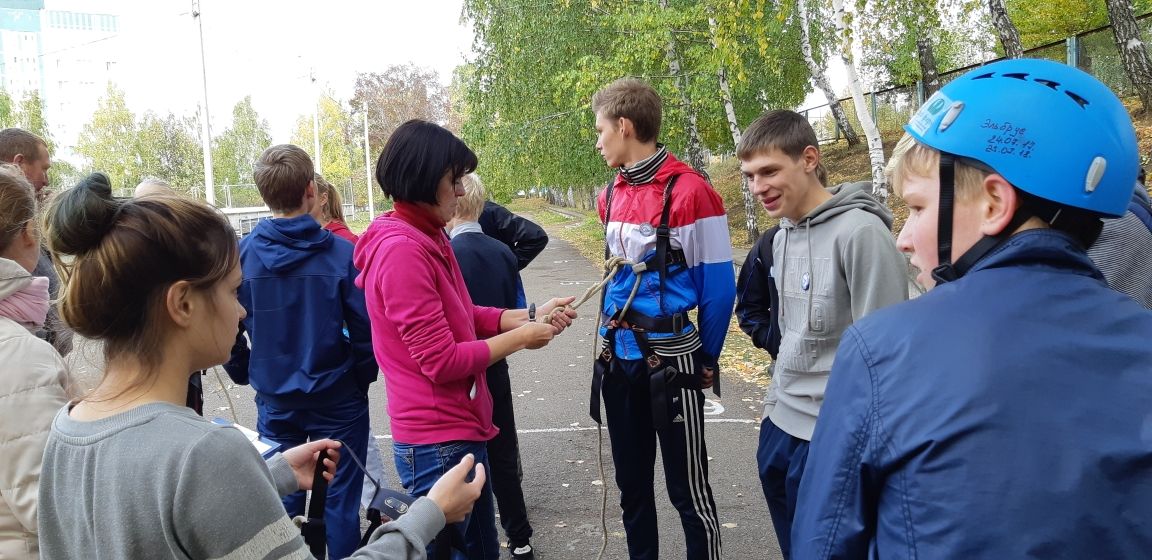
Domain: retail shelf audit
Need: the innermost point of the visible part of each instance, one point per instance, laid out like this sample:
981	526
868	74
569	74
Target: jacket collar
644	171
1044	247
420	218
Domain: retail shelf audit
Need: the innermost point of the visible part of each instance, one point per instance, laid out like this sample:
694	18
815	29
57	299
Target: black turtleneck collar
645	170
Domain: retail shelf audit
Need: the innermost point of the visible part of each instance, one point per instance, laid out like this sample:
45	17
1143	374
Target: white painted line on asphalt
713	408
590	428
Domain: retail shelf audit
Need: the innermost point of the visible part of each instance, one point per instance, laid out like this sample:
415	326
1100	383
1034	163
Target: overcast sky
266	49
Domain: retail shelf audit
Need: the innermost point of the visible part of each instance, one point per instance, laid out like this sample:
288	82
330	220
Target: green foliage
338	155
957	29
169	149
63	174
235	151
109	140
1053	20
127	150
30	116
7	118
526	110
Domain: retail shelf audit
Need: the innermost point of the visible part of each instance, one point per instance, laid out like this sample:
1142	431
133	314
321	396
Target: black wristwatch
531	312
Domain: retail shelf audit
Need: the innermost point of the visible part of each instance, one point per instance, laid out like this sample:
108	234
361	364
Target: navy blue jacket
299	294
489	269
757	301
1003	415
522	236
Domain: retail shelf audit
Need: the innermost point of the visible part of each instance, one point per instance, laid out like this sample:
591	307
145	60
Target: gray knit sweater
160	482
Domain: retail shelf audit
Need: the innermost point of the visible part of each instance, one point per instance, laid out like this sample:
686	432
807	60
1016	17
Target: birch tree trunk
734	128
1005	29
871	132
820	78
1132	51
694	151
926	55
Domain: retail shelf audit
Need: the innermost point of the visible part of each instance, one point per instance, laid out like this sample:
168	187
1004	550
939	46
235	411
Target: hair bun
80	217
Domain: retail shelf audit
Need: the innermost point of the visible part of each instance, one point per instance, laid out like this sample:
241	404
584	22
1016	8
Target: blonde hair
911	158
469	206
18	204
333	210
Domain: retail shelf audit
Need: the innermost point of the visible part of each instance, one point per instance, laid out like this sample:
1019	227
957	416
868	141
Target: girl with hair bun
129	472
34	383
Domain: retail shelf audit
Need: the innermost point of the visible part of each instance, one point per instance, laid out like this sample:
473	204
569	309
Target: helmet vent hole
1051	84
984	76
1095	174
1079	100
1023	76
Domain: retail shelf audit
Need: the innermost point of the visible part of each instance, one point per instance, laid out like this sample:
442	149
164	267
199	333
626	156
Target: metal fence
1093	51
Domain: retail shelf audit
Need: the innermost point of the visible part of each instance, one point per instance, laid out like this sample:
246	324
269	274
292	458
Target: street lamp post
316	127
206	141
368	170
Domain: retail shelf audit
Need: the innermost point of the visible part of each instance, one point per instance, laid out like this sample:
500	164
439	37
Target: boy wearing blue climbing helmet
1004	413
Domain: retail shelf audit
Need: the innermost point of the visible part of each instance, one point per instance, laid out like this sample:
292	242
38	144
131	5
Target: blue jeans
781	459
420	466
348	422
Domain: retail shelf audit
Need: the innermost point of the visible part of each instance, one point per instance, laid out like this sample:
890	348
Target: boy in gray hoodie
834	261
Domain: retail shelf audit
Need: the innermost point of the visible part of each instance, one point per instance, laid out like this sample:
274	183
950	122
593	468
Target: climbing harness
669	362
386	505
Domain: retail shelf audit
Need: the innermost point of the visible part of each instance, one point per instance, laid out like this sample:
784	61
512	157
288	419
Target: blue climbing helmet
1051	130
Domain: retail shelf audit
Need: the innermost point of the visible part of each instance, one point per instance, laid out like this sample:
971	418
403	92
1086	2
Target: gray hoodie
836	265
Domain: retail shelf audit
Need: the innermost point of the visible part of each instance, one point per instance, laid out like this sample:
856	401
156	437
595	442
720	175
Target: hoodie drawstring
784	268
811	287
783	264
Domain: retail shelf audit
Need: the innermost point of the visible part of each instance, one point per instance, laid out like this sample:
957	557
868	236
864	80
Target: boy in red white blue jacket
656	363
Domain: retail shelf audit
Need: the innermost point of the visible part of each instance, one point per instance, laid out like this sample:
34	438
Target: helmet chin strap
947	271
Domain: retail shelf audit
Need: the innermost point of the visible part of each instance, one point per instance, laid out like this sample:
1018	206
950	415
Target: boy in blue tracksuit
311	381
1003	414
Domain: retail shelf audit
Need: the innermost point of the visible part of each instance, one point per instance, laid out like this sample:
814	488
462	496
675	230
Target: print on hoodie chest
805	292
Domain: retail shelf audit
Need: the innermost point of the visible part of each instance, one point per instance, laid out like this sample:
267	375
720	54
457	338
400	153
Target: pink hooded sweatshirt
424	330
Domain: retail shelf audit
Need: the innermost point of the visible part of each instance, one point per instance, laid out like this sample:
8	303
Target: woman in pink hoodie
431	342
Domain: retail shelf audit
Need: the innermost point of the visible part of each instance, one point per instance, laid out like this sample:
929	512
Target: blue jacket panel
1003	415
299	294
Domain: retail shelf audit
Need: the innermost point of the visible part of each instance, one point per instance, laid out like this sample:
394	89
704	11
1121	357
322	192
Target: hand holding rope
611	267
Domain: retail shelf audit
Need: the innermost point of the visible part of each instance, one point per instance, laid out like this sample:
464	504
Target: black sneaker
521	551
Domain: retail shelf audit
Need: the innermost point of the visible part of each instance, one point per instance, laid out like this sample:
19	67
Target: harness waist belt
674	323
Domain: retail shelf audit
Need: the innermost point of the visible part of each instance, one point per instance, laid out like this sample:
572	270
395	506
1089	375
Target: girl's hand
302	459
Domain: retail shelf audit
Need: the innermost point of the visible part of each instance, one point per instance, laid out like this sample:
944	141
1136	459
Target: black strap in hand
314	532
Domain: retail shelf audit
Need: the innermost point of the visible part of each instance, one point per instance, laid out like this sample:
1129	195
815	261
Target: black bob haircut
417	156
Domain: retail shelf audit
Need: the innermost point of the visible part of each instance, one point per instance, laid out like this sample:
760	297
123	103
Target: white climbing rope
611	266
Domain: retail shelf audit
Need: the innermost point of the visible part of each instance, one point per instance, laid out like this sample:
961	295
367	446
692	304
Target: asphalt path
559	444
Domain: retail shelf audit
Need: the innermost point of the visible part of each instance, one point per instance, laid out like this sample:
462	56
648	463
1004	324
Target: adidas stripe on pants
629	415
